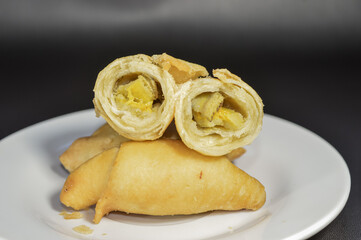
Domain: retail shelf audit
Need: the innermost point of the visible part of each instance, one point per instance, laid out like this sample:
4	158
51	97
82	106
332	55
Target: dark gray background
302	57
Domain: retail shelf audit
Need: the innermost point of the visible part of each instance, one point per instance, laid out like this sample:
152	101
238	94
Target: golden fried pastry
84	185
136	97
82	149
236	153
181	70
164	177
215	115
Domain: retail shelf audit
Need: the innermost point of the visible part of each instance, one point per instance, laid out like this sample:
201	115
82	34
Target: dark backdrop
302	57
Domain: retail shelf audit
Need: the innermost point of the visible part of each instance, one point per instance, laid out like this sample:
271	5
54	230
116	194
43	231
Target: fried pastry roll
84	148
215	115
164	177
136	97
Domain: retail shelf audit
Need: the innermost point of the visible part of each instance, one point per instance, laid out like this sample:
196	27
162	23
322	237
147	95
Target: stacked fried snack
143	162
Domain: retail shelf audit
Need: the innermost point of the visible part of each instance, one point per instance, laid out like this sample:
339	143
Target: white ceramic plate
306	180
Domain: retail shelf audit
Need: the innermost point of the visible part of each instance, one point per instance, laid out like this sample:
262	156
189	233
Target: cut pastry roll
136	97
217	115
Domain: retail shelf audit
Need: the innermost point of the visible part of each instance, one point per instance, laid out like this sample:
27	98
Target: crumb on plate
73	215
83	229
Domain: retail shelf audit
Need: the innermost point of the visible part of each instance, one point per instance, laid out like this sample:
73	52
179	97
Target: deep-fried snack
164	177
136	97
215	115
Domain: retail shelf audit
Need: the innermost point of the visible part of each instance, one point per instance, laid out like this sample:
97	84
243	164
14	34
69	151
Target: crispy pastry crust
164	177
182	71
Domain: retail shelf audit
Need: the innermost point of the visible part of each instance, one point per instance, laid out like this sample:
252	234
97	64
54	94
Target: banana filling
138	95
209	111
